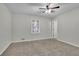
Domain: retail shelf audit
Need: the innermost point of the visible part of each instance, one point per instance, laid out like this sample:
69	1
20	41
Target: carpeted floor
48	47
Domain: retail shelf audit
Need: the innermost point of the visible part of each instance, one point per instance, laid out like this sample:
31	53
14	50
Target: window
35	26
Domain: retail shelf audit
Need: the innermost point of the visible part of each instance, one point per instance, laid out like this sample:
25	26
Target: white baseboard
5	47
31	40
68	43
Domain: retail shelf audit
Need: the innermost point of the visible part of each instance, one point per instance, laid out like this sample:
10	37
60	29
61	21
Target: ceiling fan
49	8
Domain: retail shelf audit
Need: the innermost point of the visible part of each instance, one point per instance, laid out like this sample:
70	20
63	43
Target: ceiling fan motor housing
52	6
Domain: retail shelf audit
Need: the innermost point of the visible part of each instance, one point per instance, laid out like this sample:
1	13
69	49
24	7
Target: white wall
68	27
22	27
5	27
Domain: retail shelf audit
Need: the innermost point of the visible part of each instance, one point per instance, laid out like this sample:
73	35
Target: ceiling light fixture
48	11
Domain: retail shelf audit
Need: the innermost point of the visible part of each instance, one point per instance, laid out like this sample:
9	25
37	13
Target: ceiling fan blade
43	8
55	7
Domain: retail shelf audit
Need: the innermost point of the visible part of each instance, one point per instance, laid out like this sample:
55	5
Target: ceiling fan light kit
48	11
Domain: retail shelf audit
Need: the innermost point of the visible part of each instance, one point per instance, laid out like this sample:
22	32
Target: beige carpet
48	47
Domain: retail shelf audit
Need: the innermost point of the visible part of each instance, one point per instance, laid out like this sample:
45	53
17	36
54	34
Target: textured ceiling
33	8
